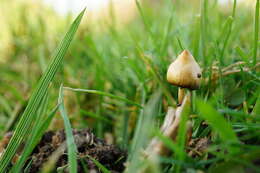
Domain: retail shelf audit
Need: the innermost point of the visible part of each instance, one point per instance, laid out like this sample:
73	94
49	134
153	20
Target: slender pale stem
181	94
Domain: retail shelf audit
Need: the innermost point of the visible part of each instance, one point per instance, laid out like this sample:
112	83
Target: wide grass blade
142	134
36	136
24	125
139	124
217	122
30	144
72	148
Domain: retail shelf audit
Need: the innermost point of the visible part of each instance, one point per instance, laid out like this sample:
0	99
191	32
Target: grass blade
203	29
28	116
36	136
32	139
256	109
157	77
256	31
147	25
99	165
96	116
149	112
228	30
138	125
217	122
104	94
72	148
180	44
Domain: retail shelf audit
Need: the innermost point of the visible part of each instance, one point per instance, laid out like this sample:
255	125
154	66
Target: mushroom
184	72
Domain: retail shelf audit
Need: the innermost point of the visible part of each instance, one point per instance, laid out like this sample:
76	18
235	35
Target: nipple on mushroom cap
184	72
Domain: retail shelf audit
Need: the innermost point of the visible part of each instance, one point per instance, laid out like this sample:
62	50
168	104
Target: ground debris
88	146
198	146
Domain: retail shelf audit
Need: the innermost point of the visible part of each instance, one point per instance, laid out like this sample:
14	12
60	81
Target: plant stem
181	94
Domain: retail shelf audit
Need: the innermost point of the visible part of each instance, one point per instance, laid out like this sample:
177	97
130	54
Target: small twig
231	70
239	63
50	163
245	69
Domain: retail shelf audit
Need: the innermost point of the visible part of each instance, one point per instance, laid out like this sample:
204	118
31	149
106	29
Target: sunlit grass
28	117
115	77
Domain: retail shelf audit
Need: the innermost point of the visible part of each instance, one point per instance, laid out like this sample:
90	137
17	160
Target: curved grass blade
72	148
23	127
104	94
96	116
218	123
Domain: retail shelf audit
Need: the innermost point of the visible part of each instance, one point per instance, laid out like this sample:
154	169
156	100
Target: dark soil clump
90	148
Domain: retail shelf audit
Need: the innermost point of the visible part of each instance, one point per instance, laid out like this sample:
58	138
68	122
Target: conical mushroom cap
184	72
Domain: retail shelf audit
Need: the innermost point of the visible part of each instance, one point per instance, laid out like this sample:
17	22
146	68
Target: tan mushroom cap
184	72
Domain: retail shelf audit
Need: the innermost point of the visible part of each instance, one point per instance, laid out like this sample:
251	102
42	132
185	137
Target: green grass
24	124
217	122
99	165
256	35
71	146
115	81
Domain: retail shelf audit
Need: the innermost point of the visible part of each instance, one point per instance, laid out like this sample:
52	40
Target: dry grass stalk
168	129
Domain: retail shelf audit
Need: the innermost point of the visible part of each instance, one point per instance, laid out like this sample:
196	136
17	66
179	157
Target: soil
89	148
198	146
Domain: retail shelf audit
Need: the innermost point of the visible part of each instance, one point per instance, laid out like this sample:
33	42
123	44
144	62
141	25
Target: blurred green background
108	53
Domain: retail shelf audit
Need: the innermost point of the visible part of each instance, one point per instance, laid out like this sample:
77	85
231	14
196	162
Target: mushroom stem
181	94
